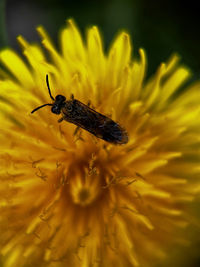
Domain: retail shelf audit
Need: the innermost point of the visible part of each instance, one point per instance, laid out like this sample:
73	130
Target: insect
87	118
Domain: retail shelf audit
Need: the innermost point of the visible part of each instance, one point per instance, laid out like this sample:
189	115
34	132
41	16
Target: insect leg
61	119
89	103
76	130
72	97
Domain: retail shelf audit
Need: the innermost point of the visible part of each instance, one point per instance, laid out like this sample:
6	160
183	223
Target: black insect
87	118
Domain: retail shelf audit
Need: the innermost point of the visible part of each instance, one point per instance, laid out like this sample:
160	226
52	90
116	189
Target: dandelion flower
73	199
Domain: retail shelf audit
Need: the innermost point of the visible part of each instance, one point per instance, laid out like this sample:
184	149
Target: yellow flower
73	199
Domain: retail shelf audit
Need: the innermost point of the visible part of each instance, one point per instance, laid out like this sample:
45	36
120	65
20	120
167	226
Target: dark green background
161	27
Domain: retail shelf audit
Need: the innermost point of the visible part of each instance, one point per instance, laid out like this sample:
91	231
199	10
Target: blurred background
160	27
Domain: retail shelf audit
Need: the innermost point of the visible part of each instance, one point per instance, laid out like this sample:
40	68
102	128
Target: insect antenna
41	107
47	81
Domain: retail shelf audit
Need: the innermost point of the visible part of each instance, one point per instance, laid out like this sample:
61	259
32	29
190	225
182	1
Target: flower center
85	182
84	195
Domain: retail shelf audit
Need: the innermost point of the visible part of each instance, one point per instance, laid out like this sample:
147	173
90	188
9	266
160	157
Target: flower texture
68	198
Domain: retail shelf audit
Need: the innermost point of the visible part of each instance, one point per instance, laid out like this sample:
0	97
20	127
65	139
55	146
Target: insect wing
113	132
94	122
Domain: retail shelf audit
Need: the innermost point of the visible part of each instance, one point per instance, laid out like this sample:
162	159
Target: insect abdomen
94	122
112	132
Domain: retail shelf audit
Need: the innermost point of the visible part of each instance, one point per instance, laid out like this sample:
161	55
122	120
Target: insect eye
60	98
55	110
